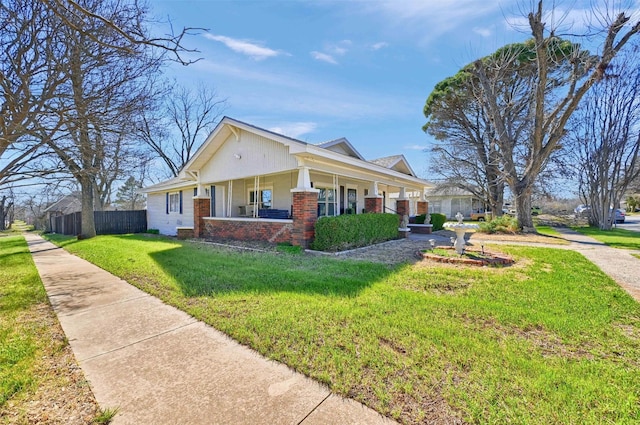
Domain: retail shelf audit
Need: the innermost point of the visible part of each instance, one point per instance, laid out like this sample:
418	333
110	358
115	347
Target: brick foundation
305	215
373	204
422	208
201	209
185	233
272	231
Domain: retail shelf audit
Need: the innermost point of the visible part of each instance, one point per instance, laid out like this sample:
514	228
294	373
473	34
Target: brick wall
402	207
201	208
373	204
185	233
422	207
248	230
305	215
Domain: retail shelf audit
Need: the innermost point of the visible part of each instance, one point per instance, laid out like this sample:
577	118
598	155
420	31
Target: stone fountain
460	228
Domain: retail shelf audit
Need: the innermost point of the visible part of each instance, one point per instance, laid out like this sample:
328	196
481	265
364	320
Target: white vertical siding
248	156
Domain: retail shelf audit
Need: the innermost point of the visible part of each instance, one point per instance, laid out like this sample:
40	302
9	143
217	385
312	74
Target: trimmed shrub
504	224
421	218
153	231
353	231
437	220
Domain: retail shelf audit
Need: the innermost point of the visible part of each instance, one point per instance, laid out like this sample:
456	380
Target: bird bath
460	228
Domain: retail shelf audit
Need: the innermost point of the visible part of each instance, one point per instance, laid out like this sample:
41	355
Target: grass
616	238
551	340
547	231
105	416
39	378
20	293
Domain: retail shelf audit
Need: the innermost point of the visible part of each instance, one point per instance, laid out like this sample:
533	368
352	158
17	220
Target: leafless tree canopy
527	92
180	124
605	143
73	77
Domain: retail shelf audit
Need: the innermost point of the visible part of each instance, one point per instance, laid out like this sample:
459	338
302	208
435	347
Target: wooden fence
107	222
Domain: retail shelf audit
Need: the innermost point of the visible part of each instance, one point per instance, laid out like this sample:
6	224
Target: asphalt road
631	222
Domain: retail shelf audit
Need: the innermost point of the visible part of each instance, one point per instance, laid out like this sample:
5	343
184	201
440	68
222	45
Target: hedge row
437	220
352	231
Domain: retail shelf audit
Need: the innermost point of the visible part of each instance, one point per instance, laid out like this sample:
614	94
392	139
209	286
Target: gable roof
342	146
339	152
67	204
395	162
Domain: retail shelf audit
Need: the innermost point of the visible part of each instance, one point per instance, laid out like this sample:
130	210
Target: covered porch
283	207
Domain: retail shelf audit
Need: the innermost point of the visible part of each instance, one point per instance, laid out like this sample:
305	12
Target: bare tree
52	53
182	123
606	139
106	88
27	82
560	83
464	152
82	18
6	210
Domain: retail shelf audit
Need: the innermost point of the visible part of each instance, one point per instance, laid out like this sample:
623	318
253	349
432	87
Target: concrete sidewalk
619	264
158	365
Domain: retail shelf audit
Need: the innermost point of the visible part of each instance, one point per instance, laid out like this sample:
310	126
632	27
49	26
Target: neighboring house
249	183
68	204
452	200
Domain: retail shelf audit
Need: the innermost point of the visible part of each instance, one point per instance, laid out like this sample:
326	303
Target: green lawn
617	238
550	340
547	231
20	292
39	379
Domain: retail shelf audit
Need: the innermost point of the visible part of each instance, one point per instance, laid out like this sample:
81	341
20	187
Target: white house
451	200
249	183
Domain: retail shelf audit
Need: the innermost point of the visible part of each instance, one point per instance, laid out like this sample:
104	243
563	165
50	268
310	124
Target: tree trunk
523	208
3	214
88	222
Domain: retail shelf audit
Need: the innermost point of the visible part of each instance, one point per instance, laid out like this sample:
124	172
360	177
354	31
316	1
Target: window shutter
167	202
180	202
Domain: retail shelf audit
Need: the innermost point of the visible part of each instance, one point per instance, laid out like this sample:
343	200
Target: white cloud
244	47
484	32
379	45
340	48
437	16
324	57
261	89
415	147
294	129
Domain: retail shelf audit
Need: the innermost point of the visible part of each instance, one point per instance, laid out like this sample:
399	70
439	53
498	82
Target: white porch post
304	179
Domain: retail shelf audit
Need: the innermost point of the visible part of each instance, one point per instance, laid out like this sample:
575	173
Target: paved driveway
632	222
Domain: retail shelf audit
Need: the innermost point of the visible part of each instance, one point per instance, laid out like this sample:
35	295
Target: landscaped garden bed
470	257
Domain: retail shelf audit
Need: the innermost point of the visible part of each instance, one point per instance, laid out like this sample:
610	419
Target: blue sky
320	70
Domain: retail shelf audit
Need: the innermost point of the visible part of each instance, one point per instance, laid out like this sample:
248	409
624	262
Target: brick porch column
305	215
304	210
201	208
373	204
402	207
422	207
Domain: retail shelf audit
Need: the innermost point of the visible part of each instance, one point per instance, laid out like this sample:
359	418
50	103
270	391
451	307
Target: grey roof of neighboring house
67	204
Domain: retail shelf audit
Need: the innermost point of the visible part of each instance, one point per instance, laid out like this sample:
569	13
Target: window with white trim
174	202
265	198
327	202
